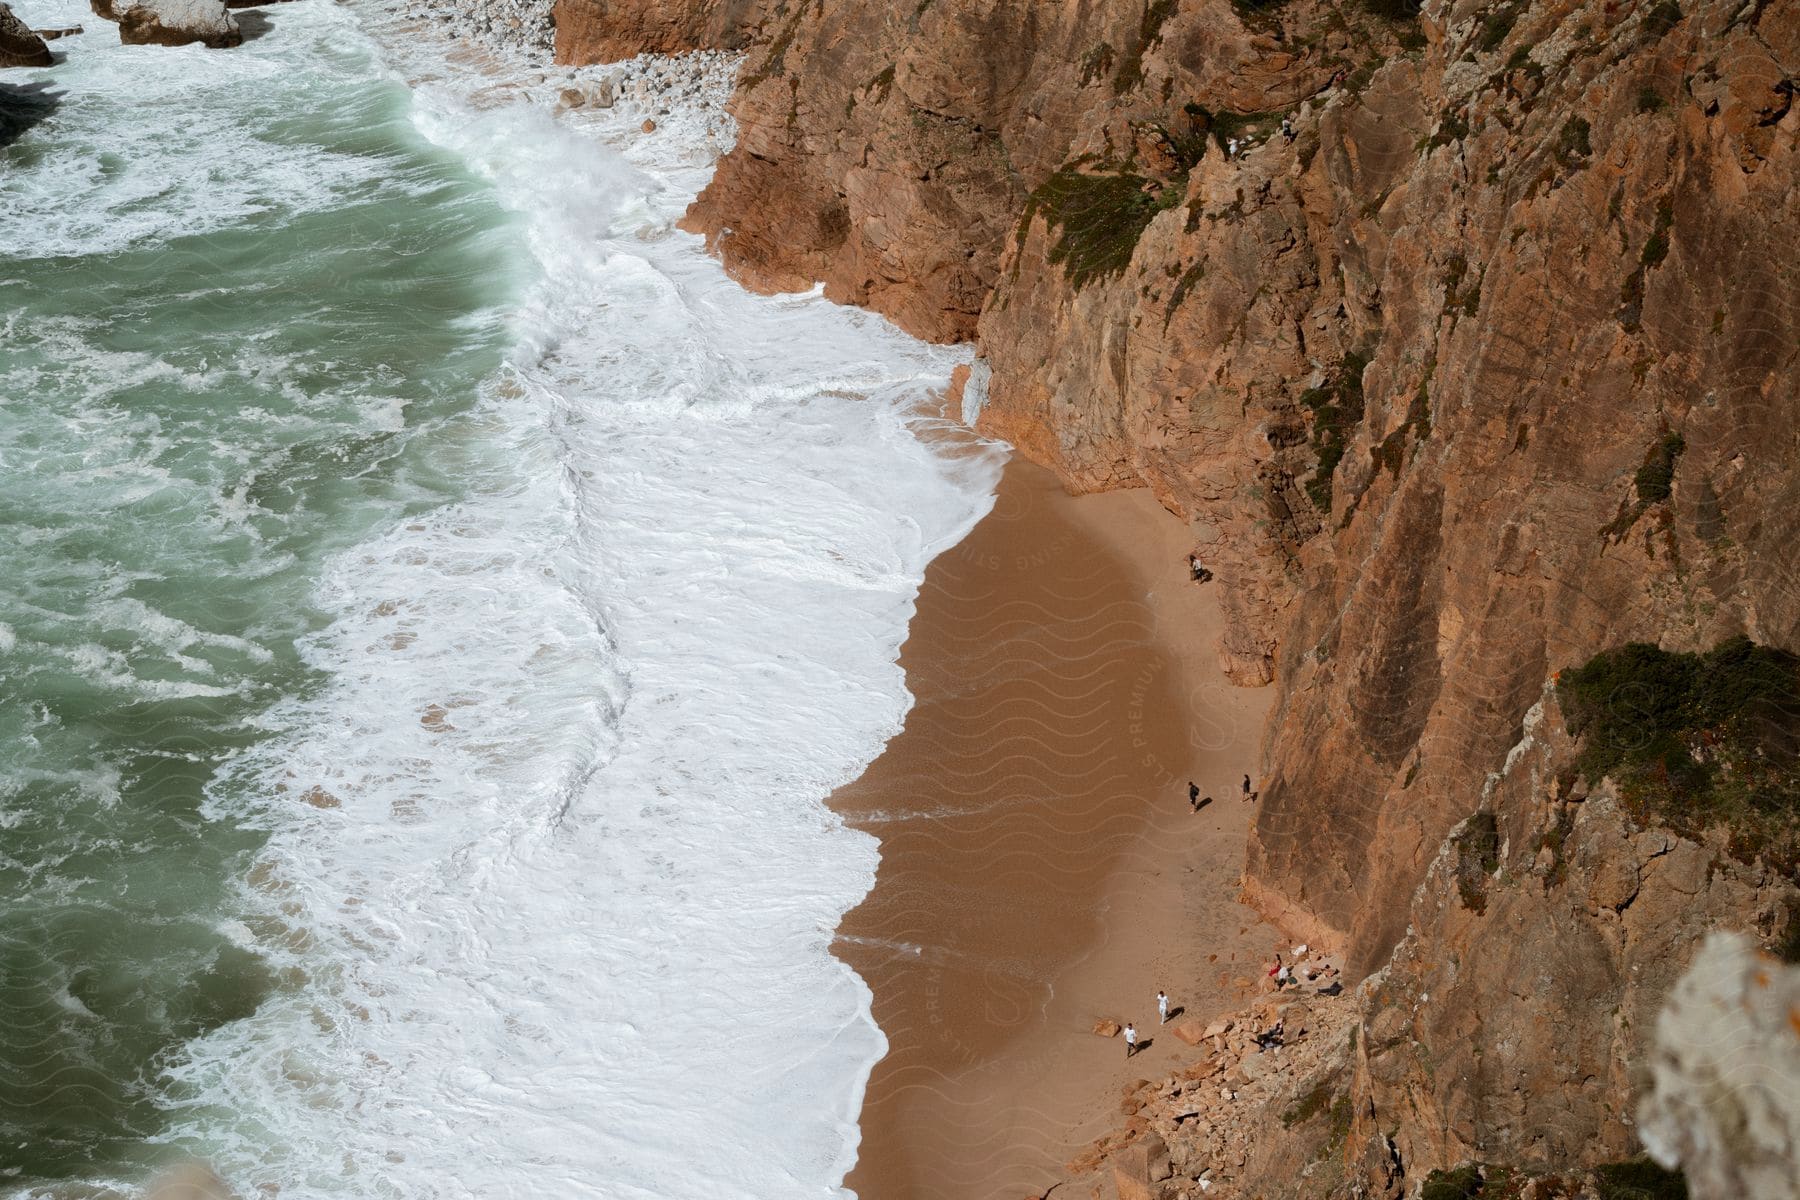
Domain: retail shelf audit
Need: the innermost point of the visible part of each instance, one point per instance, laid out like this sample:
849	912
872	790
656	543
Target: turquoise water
246	309
437	603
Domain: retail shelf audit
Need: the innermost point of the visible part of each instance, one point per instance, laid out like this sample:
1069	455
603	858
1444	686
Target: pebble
516	26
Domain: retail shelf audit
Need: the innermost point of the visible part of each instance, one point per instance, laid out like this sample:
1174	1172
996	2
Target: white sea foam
550	849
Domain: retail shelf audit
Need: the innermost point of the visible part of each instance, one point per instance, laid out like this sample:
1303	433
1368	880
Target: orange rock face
595	31
889	153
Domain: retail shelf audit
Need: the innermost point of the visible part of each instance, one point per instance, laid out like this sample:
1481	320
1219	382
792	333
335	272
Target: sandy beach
1041	867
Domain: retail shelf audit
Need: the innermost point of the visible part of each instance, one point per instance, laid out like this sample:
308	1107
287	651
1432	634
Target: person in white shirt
1162	1008
1130	1040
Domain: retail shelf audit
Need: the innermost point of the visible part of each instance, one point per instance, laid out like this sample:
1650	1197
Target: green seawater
246	311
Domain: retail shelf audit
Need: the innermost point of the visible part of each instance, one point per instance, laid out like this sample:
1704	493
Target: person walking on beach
1162	1008
1193	795
1130	1040
1247	787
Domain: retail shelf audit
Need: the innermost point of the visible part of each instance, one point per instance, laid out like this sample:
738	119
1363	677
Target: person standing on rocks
1162	1007
1130	1039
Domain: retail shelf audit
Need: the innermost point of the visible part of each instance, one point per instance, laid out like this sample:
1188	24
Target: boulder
1724	1096
1139	1166
190	1181
1106	1027
105	9
61	31
1192	1032
19	47
177	23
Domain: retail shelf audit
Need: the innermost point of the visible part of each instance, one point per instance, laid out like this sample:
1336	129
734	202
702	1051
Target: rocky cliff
1505	1048
1463	338
589	31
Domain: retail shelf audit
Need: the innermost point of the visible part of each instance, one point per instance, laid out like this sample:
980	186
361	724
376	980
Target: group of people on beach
1281	976
1197	802
1162	1018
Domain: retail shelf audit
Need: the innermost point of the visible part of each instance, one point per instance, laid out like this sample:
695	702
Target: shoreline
1040	866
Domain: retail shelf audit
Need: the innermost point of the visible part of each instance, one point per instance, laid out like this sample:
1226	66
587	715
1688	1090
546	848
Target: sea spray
526	850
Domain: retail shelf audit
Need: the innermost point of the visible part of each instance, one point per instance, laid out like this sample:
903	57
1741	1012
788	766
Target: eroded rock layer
591	31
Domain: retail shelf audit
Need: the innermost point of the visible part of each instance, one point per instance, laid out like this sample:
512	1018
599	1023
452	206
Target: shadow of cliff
23	105
254	24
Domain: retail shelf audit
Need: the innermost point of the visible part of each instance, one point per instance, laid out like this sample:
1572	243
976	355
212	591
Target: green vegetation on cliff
1634	1179
1100	218
1696	740
1337	409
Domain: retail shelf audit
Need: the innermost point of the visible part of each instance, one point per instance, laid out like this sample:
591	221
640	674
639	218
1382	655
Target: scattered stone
1191	1032
572	98
1106	1027
318	797
179	23
19	46
649	126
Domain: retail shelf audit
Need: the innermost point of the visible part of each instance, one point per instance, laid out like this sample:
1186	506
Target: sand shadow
1143	1045
23	105
1175	1013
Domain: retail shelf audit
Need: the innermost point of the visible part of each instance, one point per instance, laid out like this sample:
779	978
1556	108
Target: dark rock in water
50	35
178	22
253	3
19	47
105	9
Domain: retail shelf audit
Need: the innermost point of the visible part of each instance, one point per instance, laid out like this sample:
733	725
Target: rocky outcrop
1724	1099
1508	1034
19	46
177	23
600	31
891	157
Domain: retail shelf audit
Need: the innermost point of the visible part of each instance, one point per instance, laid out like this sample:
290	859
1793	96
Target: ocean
435	603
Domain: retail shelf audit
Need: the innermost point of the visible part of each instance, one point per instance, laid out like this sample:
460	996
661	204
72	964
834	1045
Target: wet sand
1041	867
